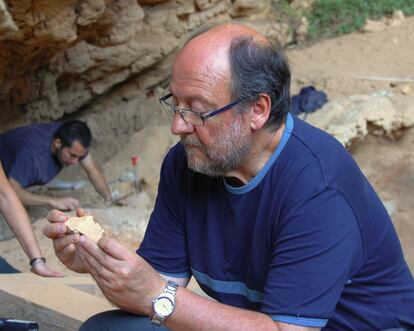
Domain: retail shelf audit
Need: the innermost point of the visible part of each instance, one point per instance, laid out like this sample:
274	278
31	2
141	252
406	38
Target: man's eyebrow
76	155
201	99
206	102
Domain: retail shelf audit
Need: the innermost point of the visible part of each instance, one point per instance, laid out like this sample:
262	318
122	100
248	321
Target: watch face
163	306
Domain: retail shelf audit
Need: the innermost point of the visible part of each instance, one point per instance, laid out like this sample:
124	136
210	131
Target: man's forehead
77	148
202	74
204	83
202	65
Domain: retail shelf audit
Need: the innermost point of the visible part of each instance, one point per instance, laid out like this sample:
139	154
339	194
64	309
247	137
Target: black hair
73	130
260	68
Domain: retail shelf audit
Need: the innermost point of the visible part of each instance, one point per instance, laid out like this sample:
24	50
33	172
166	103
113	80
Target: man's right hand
66	203
65	243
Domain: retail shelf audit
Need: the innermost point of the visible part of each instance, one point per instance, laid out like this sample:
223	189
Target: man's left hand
124	277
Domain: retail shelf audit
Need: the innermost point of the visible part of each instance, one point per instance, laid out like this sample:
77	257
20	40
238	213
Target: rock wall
101	59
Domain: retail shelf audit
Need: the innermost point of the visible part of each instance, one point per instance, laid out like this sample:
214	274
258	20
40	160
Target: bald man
271	216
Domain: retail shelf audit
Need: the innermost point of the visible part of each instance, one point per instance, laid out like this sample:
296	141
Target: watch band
167	294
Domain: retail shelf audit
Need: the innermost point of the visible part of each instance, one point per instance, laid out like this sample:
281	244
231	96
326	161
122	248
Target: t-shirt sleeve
164	244
316	246
22	169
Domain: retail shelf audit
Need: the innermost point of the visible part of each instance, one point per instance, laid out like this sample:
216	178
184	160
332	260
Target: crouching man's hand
40	268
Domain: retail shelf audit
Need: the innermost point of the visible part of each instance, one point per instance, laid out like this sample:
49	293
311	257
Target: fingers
94	250
65	203
109	253
54	230
82	212
115	249
73	204
122	202
97	271
65	245
41	269
96	259
56	216
69	203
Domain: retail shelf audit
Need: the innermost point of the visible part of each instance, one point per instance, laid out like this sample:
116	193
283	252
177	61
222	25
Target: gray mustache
191	141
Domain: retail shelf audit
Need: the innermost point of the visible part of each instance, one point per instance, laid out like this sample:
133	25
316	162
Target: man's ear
260	111
57	143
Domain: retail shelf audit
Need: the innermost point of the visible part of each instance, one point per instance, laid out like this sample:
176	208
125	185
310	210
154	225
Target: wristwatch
164	304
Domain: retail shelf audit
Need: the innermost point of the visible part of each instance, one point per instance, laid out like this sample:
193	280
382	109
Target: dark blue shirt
307	241
26	155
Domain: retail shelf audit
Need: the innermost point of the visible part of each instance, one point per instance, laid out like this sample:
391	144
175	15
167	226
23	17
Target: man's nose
179	126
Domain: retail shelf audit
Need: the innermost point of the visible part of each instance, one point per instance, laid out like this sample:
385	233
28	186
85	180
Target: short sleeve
22	169
316	248
164	244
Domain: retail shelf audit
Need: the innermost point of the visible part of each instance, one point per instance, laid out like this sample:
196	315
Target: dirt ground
353	64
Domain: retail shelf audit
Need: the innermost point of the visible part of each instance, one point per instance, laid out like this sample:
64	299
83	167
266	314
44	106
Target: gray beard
228	153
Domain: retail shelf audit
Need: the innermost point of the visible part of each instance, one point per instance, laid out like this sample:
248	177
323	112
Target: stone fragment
397	18
243	8
353	118
373	26
405	89
302	30
86	226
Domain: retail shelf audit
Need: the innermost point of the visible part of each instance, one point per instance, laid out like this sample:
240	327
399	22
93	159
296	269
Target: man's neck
264	145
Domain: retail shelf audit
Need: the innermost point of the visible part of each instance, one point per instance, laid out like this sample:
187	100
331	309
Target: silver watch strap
169	291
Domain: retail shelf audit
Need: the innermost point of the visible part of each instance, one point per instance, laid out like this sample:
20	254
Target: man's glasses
190	116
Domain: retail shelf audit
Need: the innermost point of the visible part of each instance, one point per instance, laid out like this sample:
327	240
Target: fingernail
82	239
61	228
75	238
61	218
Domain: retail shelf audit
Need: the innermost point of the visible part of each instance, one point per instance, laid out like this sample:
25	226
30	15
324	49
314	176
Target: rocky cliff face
102	59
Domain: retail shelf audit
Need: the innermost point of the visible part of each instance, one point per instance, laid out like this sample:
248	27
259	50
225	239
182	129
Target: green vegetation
328	18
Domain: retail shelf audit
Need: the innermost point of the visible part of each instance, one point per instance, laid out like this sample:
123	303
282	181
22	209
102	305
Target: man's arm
31	199
131	283
194	312
96	177
183	282
18	220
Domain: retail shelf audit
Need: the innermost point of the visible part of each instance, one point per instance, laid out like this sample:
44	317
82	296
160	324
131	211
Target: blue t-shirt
307	241
26	156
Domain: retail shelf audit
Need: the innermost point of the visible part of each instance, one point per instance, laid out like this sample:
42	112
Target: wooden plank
55	303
